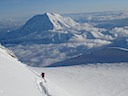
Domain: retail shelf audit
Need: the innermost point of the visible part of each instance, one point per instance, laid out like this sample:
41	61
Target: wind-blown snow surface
15	78
89	80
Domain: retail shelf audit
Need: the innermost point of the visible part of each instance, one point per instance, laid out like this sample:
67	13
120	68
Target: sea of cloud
85	37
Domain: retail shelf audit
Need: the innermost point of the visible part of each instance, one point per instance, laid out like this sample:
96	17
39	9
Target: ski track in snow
47	87
121	91
43	88
41	83
88	80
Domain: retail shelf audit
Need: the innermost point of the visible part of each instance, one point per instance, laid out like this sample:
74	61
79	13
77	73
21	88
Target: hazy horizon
21	8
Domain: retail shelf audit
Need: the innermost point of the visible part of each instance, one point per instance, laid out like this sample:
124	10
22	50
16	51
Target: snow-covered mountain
41	29
40	23
15	78
48	21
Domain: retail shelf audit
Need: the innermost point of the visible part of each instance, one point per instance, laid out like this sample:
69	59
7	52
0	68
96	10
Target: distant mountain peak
48	21
60	22
48	13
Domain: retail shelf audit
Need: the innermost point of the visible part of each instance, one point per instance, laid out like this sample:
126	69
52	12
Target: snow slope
15	78
90	80
19	80
60	22
82	80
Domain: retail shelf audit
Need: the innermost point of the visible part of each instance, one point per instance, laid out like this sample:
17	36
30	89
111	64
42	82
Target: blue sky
15	8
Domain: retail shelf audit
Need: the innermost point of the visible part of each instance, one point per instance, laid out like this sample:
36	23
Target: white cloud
120	32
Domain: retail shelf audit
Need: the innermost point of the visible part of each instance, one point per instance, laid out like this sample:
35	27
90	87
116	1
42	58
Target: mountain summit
48	21
39	23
